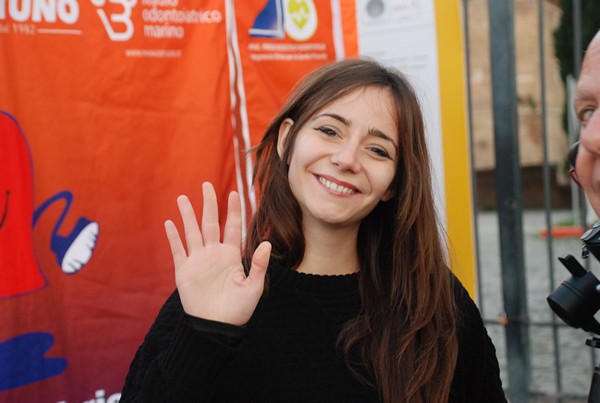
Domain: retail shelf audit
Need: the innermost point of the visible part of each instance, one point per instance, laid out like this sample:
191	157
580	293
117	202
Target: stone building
527	53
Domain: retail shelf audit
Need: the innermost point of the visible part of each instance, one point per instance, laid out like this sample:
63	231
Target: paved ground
575	361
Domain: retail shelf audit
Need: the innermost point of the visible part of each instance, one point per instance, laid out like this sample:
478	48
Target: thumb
260	262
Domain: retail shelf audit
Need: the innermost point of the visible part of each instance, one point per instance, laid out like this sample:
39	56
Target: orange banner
111	110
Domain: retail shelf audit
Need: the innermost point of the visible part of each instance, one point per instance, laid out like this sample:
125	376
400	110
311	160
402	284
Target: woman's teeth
335	187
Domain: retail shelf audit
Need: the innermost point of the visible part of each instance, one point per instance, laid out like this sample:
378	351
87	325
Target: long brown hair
404	339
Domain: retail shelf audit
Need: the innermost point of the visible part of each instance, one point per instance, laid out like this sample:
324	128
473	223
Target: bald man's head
587	100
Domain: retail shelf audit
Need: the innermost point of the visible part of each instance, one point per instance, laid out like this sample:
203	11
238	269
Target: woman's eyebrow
334	116
378	133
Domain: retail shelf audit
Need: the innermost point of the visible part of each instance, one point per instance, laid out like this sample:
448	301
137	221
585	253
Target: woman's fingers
211	231
177	249
193	236
233	225
210	276
260	262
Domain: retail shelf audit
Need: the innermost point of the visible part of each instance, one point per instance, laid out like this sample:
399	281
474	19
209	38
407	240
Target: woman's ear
284	130
388	195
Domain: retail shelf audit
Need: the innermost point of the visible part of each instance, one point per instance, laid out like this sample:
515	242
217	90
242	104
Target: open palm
210	277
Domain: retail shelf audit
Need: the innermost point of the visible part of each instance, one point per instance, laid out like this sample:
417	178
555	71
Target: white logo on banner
66	11
25	16
162	18
120	19
119	26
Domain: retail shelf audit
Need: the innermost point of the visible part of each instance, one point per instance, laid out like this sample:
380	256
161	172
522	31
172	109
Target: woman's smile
336	187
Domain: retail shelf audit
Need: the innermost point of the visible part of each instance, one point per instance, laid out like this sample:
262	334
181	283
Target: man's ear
284	130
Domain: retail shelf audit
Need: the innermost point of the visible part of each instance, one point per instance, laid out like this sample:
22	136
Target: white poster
402	33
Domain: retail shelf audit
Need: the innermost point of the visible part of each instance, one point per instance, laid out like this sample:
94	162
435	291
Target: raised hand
209	276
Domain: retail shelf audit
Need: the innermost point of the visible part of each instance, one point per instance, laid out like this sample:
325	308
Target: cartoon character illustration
22	360
19	271
296	18
74	250
22	357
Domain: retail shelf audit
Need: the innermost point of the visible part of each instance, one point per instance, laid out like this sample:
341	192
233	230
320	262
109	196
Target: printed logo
161	19
296	18
120	19
118	26
39	17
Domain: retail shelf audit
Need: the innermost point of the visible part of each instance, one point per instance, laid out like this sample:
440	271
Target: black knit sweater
287	352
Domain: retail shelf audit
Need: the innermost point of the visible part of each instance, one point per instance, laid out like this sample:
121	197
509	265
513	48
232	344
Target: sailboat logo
295	18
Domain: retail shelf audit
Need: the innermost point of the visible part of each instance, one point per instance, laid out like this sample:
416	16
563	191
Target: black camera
577	299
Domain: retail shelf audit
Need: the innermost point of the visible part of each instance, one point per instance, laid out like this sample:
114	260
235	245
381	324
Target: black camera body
577	299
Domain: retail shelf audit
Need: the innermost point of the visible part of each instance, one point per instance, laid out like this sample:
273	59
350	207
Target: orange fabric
348	11
121	117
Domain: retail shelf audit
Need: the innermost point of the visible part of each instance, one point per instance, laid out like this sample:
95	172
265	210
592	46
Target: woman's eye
327	131
380	152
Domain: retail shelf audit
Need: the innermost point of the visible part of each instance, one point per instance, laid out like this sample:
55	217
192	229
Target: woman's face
344	158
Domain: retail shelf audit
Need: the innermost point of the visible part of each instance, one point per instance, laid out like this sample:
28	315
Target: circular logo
300	19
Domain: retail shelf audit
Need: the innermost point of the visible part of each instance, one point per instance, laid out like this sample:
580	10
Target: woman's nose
346	157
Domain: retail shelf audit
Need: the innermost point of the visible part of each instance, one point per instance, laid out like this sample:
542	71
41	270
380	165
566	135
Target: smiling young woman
341	292
343	163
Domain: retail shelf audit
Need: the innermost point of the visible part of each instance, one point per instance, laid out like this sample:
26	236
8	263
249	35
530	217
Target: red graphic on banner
19	273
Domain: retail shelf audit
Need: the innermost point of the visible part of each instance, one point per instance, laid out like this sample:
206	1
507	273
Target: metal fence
542	359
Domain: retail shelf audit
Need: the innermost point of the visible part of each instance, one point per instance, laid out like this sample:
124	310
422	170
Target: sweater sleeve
477	376
176	362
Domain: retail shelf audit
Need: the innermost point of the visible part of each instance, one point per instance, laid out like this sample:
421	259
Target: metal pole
578	55
465	10
509	195
547	193
577	59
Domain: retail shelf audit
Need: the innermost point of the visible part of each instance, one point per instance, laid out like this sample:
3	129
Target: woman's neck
330	251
